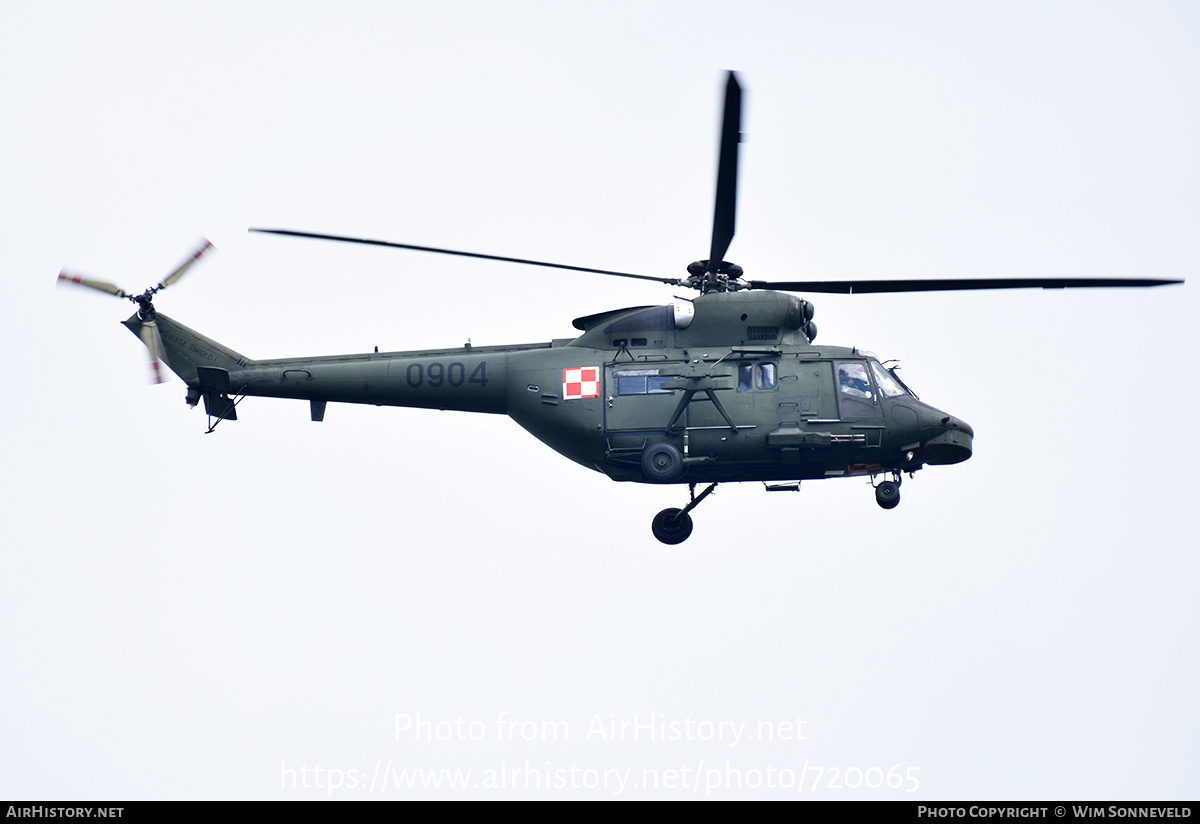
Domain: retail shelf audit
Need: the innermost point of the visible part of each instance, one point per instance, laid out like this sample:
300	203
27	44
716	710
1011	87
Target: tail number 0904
435	374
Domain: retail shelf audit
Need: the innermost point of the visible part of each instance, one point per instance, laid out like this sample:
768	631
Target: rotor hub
721	277
145	303
723	267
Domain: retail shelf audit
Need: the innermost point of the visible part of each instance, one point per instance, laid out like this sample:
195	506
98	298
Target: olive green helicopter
725	386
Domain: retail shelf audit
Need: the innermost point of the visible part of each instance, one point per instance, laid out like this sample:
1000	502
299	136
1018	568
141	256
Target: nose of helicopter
949	441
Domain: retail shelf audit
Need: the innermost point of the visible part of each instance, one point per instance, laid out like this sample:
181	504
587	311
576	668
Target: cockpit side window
889	387
855	396
853	382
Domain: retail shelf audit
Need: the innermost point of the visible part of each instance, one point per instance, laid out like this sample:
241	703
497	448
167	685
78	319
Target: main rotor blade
104	286
193	259
502	259
847	287
727	169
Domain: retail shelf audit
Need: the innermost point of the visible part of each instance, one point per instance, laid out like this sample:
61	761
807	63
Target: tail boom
469	379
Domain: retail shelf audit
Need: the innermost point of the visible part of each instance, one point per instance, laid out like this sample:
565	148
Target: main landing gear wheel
672	526
662	463
887	494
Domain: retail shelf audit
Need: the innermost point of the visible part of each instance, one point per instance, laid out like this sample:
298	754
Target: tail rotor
148	328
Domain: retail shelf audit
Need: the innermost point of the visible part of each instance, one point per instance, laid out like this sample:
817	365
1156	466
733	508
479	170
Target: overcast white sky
194	616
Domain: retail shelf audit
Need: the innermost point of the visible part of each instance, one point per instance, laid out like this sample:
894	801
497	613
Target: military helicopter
725	386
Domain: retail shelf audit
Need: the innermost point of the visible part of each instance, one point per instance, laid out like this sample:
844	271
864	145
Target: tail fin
185	350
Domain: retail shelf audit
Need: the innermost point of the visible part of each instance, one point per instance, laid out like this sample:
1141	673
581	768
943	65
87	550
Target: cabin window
764	376
745	377
756	376
641	382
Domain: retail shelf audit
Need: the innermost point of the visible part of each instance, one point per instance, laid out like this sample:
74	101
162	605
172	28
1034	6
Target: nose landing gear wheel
887	494
672	526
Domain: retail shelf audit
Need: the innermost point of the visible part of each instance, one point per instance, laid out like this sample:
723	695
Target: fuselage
731	381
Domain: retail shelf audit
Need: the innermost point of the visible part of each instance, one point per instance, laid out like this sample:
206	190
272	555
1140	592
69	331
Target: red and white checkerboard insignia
581	382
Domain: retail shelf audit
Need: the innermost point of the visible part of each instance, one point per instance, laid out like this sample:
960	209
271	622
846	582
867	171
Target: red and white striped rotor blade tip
78	280
205	248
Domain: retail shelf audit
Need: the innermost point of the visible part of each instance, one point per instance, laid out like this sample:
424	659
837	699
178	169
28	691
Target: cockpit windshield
889	387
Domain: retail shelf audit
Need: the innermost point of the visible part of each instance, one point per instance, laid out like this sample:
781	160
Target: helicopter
725	386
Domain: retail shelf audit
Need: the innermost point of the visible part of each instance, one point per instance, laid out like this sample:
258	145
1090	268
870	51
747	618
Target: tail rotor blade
203	249
150	336
104	286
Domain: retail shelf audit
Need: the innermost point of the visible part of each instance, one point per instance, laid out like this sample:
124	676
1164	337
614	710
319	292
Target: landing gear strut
887	494
673	526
